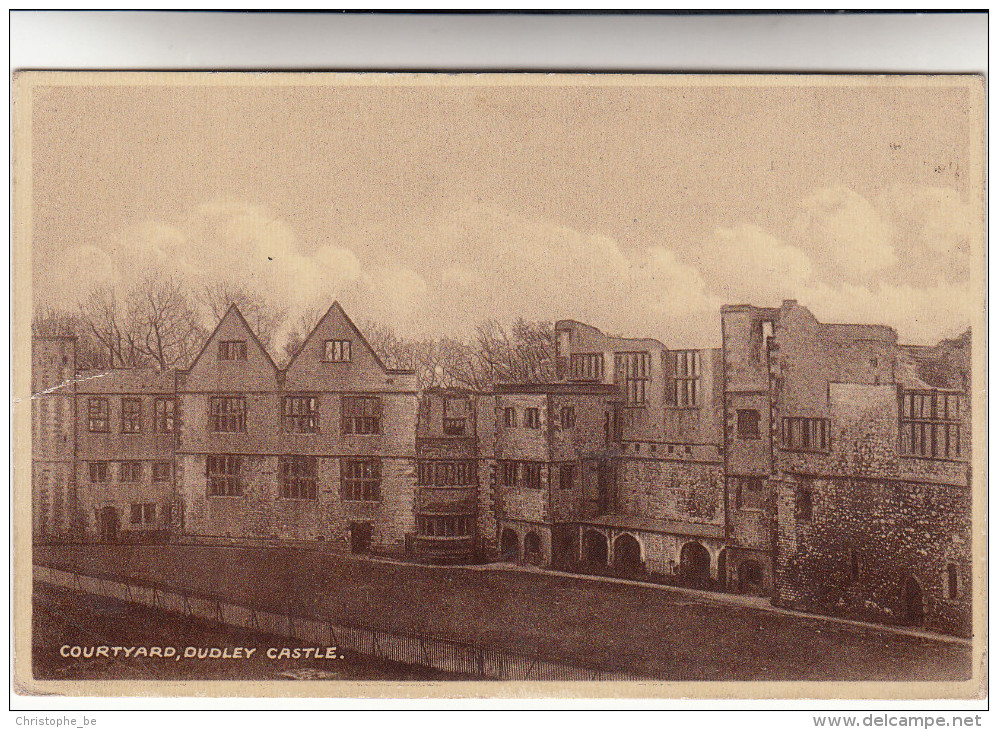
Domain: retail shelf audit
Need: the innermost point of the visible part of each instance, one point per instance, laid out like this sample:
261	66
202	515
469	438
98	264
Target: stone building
873	473
825	465
53	439
554	460
667	511
454	517
321	451
126	426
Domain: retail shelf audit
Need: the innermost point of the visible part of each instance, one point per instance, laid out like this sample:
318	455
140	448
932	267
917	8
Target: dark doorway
595	549
360	537
532	548
627	554
568	549
694	564
109	524
913	602
750	577
510	545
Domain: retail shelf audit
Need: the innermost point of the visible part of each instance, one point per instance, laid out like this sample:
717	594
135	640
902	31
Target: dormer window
232	350
337	351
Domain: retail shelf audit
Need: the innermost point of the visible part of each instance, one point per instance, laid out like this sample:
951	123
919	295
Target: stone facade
871	524
454	480
54	498
825	465
125	465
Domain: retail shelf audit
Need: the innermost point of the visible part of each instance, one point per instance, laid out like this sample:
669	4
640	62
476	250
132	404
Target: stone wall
55	510
896	528
671	490
261	514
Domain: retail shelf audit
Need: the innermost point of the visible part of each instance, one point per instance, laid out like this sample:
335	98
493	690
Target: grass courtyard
665	634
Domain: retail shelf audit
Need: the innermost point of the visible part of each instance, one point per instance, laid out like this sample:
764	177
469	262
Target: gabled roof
336	307
256	339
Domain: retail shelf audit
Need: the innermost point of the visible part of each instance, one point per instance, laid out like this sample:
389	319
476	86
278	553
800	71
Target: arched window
854	566
952	581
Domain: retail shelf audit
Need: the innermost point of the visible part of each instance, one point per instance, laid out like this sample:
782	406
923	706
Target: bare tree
301	329
525	353
56	323
522	353
264	317
153	325
167	327
106	318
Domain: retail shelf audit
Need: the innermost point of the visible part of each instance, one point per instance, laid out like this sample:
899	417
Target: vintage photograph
469	384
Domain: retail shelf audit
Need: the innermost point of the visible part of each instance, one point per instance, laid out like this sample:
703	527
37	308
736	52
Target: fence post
426	655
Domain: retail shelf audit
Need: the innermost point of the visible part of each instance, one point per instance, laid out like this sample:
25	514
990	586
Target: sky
638	209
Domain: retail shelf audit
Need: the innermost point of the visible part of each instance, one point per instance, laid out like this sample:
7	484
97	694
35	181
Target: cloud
845	233
936	232
746	263
921	315
443	275
483	262
218	242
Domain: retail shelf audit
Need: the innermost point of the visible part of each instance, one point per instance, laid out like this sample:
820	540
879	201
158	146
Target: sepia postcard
499	385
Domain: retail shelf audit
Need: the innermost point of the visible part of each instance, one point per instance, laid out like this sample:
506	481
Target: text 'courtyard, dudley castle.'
824	465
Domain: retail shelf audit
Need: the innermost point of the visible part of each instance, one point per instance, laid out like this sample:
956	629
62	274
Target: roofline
253	334
337	305
560	322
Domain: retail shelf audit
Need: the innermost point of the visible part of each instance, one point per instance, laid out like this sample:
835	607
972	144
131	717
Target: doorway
912	602
360	537
509	546
532	548
694	564
750	577
109	524
595	549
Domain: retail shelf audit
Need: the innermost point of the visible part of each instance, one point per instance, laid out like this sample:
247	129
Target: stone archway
694	564
627	554
509	545
532	548
596	550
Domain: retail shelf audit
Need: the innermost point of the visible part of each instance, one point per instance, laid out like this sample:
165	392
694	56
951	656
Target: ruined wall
897	529
878	520
810	355
702	424
671	490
